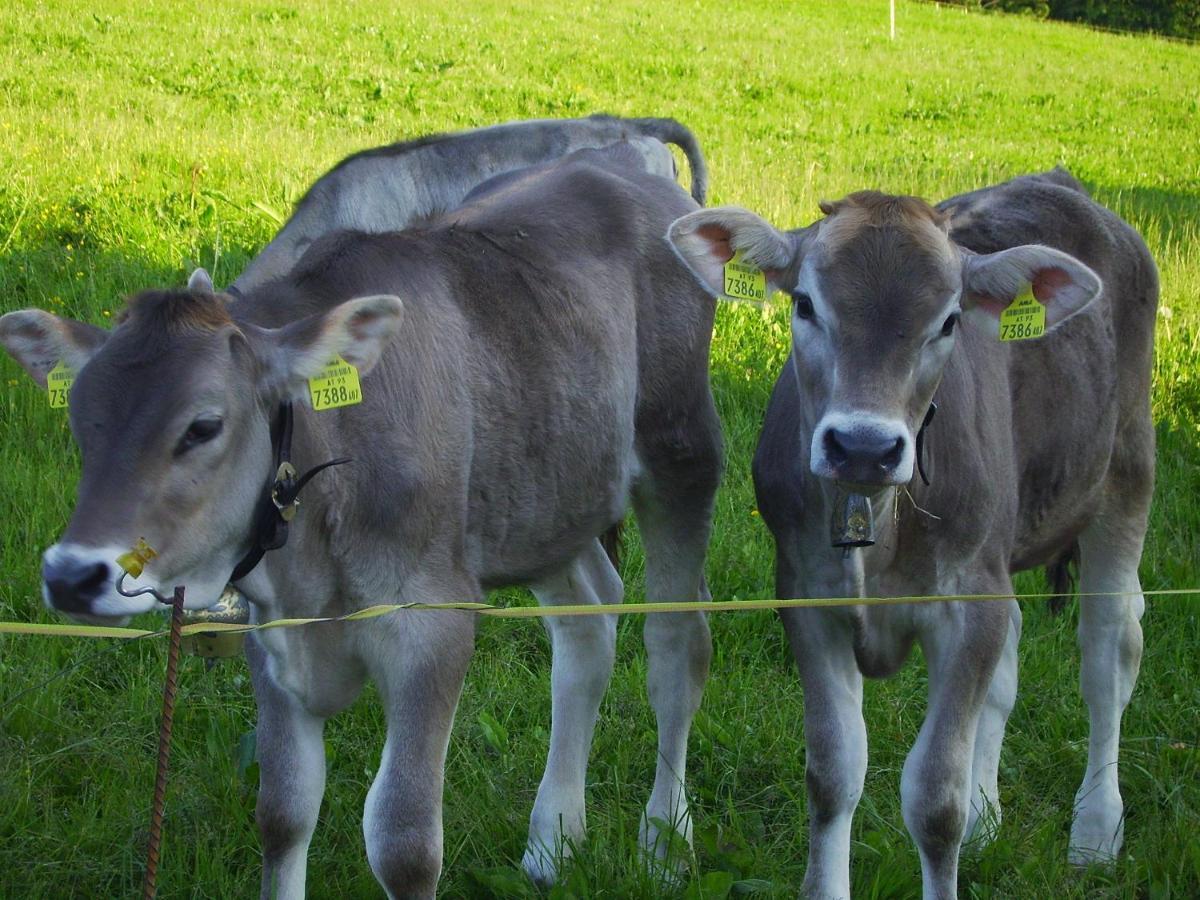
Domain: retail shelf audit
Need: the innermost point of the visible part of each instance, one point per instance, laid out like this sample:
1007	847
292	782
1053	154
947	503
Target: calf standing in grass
1039	448
551	363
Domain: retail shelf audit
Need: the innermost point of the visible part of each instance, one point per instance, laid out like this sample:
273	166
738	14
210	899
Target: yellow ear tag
336	385
58	385
136	559
1025	318
743	281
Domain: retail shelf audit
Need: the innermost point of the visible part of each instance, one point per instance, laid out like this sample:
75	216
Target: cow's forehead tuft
873	217
156	323
174	311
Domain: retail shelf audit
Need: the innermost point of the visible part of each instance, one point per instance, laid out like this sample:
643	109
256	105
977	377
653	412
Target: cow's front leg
983	817
835	738
962	644
291	755
583	648
419	661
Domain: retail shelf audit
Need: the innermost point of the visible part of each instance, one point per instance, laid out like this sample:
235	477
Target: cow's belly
546	485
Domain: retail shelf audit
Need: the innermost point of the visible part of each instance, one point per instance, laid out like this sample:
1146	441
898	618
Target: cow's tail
1061	574
671	132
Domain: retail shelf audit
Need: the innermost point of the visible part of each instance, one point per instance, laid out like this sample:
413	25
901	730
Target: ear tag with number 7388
335	385
58	385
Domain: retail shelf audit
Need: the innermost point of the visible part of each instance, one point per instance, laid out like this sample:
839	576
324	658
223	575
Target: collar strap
280	498
921	442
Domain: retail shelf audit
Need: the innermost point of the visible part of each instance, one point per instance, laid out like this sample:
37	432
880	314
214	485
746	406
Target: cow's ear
707	239
39	341
201	282
357	330
1061	283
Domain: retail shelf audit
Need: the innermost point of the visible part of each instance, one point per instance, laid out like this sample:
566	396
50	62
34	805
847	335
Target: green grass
138	139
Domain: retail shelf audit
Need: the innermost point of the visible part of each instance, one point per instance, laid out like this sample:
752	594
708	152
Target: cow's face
878	290
171	414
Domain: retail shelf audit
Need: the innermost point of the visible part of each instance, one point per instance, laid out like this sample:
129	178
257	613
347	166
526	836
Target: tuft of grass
140	139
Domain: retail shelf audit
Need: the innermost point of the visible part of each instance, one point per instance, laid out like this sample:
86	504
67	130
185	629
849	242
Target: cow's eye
948	325
802	304
199	432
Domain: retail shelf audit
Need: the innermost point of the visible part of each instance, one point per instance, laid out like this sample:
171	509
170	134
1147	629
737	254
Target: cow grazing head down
171	412
878	288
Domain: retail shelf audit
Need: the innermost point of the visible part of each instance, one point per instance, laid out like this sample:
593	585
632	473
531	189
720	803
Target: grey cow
393	187
1038	448
551	364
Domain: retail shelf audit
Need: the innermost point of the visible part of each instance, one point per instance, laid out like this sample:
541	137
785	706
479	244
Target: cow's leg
673	500
983	817
962	644
835	735
419	661
583	648
1110	640
291	755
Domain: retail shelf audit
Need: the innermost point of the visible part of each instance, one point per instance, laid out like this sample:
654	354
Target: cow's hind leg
583	648
419	664
1110	641
983	817
673	500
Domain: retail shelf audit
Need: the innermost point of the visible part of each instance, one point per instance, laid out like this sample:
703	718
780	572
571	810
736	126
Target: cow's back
1074	391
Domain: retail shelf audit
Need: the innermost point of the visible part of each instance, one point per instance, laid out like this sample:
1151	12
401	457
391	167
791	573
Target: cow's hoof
666	850
1098	830
541	865
982	828
1095	849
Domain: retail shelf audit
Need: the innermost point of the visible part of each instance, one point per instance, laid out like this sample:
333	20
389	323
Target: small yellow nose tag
336	385
744	281
136	560
1024	319
58	385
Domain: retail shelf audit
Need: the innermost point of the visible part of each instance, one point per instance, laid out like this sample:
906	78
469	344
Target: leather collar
280	497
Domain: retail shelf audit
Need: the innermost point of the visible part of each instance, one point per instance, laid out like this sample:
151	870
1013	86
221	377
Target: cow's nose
72	584
863	455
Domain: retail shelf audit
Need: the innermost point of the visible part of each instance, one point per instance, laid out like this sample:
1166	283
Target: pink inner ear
1048	282
718	242
990	305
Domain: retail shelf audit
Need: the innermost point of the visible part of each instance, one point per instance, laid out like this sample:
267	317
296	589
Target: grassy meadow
140	139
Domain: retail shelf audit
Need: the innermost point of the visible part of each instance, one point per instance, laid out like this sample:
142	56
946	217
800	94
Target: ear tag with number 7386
1025	318
744	281
58	385
335	385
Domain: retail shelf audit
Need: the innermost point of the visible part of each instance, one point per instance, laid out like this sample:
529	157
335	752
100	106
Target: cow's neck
298	579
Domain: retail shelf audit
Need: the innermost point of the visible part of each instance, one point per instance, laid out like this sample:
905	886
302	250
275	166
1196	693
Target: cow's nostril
834	451
93	579
891	459
74	584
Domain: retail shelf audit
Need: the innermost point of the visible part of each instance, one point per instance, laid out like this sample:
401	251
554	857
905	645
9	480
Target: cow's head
171	411
878	288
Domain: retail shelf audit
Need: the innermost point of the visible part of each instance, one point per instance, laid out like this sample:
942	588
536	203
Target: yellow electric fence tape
539	612
1024	319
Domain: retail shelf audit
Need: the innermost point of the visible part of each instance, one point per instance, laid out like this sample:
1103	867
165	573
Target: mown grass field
139	139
